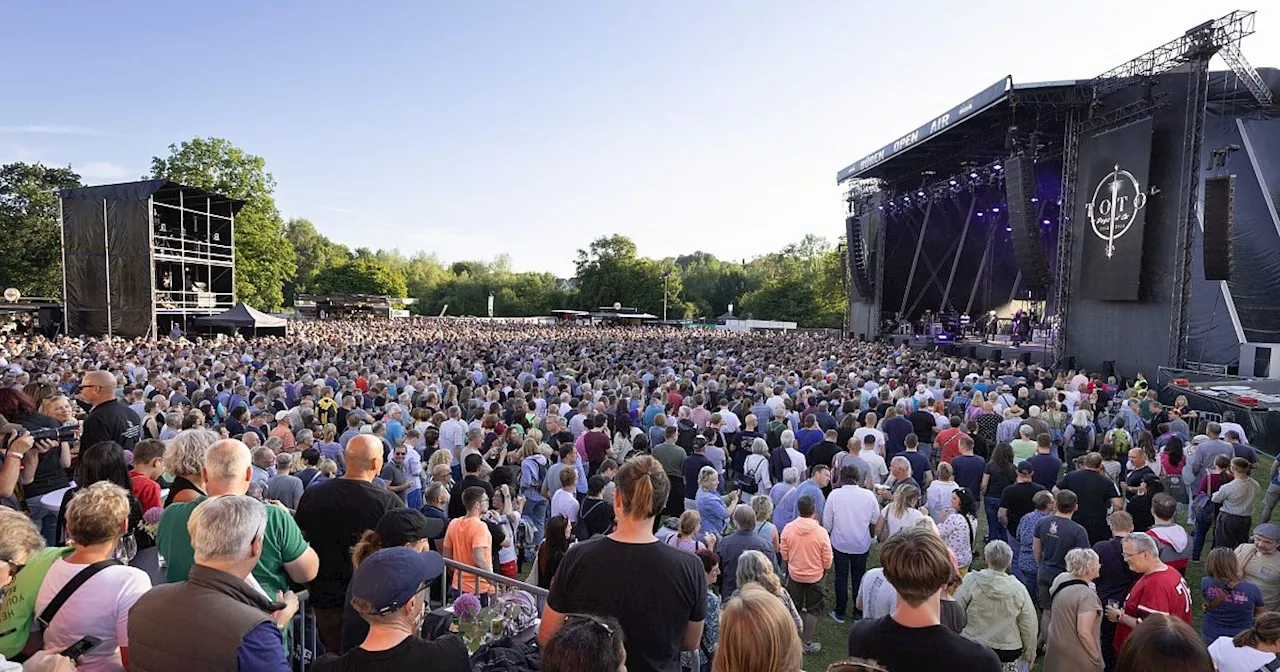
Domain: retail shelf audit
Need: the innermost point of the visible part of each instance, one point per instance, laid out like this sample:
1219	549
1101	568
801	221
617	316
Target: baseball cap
399	527
1268	530
390	577
281	415
1026	468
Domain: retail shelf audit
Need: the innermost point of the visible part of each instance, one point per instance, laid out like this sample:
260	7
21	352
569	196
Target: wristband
13	453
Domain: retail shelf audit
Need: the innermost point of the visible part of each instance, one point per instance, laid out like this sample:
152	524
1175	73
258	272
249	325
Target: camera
64	433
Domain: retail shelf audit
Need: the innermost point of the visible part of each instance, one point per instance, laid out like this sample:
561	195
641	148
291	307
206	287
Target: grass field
834	636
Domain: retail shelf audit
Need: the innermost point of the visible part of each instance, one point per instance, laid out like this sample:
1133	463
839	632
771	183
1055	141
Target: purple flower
466	607
152	516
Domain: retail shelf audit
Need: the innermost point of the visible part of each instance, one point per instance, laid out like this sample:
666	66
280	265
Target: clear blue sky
475	128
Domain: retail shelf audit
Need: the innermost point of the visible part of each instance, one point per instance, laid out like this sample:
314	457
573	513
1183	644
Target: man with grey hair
285	555
284	487
263	461
1207	451
743	539
1160	590
790	477
1024	447
227	622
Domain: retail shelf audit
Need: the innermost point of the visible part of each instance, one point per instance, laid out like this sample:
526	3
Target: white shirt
732	424
1228	658
860	434
1228	427
453	434
848	515
939	498
757	467
878	467
798	461
894	524
879	598
99	608
565	504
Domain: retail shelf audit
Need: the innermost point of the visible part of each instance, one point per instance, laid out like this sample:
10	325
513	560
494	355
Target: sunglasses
14	567
591	619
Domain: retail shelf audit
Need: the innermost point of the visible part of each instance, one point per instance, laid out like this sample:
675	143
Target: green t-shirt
282	543
19	609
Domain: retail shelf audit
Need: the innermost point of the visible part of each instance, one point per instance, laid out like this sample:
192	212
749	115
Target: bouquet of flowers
151	519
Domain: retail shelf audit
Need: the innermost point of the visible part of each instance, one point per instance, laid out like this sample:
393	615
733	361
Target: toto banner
1111	210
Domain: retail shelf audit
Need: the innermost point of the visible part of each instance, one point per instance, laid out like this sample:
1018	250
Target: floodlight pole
665	277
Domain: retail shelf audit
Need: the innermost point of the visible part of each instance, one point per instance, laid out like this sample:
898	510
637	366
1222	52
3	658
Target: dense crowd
671	499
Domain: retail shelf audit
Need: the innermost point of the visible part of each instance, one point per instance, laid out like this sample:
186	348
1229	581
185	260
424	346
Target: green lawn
834	636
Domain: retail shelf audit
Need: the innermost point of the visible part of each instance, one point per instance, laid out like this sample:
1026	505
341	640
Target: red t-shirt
949	441
146	490
1163	592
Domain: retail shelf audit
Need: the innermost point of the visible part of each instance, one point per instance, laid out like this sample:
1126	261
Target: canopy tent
241	316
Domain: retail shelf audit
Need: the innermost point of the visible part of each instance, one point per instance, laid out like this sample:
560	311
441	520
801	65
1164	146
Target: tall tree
30	229
315	253
364	274
265	259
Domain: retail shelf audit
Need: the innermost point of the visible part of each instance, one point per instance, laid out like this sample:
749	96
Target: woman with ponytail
661	617
397	527
1251	650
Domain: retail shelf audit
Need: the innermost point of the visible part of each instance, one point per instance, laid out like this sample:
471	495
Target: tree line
277	259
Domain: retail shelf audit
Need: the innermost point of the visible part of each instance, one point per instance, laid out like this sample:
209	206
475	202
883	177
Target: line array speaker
857	247
1020	188
1219	220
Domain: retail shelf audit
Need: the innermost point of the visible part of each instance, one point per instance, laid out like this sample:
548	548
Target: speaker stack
1020	188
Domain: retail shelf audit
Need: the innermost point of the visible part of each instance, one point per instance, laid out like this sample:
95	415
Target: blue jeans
848	566
1203	524
1029	581
413	499
535	511
994	529
47	522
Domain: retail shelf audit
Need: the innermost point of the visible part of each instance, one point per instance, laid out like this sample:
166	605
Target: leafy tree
264	256
363	274
30	229
801	283
609	272
315	253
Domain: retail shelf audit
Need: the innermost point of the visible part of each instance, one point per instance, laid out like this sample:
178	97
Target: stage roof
161	190
972	131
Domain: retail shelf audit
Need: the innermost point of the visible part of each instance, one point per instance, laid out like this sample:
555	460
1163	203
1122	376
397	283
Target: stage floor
1228	390
1000	348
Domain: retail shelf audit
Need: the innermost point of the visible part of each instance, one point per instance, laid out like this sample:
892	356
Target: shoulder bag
46	616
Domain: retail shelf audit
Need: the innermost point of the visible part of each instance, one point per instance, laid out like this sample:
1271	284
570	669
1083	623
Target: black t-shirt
1017	501
919	463
1139	507
111	421
332	516
447	654
1134	478
654	610
998	479
50	475
822	454
561	438
1095	493
1046	466
595	516
923	423
456	508
901	649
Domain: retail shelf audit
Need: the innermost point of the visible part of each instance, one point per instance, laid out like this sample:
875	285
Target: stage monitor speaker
1262	362
1025	358
1108	369
997	355
1219	219
1020	188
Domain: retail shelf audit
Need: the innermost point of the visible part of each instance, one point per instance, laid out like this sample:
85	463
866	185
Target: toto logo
1117	200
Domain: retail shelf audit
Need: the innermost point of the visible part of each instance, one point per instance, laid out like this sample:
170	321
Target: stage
998	348
1218	394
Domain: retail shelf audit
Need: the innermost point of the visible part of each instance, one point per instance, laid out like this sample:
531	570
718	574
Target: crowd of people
687	500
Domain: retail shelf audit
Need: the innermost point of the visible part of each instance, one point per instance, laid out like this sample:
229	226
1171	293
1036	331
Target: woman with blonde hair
755	567
756	635
756	466
328	469
901	512
184	460
940	489
762	505
96	517
1074	639
687	537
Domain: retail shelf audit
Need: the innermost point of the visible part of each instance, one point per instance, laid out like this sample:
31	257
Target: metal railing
476	575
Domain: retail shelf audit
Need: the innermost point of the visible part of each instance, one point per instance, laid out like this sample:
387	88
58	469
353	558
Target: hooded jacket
1172	540
1000	612
806	548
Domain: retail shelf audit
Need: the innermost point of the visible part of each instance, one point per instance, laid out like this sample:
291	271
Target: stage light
979	214
1046	222
996	167
973	176
1035	200
1009	229
882	207
995	209
920	194
953	183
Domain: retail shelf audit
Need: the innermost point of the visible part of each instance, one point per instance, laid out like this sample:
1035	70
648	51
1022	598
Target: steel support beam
1188	210
924	227
955	263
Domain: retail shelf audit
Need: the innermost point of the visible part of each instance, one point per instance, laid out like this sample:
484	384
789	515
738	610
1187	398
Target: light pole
665	276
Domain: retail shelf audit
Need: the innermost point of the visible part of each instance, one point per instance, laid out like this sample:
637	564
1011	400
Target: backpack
773	433
1120	439
1173	485
542	466
1080	445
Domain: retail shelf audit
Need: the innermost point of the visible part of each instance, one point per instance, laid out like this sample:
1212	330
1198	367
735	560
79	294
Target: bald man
110	419
285	553
333	515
